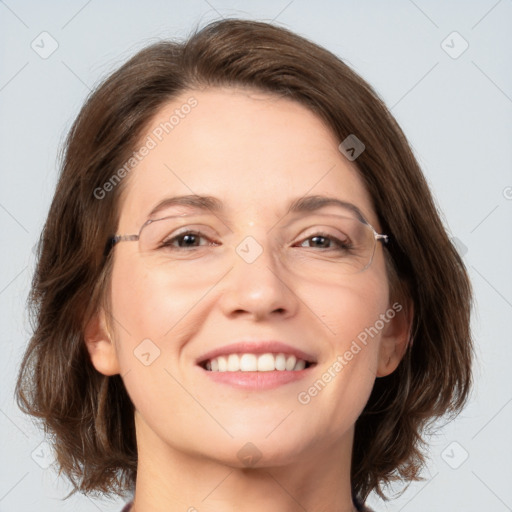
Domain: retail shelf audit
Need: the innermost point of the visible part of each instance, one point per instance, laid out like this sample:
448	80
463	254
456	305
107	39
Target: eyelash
342	246
167	243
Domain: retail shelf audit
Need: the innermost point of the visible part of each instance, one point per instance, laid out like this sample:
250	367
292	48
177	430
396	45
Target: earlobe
101	347
395	339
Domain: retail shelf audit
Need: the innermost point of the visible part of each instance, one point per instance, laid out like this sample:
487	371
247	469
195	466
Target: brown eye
186	239
327	241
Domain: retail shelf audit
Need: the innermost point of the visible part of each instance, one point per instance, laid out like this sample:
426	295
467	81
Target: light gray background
456	113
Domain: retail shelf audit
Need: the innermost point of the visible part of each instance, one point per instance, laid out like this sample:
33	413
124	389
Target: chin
254	454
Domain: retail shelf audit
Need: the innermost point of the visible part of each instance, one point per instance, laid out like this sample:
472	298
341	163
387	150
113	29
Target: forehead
254	151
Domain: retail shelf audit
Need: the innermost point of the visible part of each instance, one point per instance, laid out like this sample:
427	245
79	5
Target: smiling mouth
247	362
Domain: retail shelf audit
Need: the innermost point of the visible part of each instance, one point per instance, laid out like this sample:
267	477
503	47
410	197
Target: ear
395	337
100	346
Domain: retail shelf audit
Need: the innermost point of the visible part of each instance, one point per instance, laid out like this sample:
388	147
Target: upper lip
256	347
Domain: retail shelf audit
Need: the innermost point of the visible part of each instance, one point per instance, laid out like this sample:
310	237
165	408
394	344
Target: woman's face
253	274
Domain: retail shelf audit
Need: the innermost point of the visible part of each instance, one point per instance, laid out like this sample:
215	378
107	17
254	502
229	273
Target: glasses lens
343	245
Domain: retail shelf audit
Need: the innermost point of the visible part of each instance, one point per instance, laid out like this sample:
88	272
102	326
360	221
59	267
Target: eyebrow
215	205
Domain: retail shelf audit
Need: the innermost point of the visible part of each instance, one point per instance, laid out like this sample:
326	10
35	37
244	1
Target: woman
245	297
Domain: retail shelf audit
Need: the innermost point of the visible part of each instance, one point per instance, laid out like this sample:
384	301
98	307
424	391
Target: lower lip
257	380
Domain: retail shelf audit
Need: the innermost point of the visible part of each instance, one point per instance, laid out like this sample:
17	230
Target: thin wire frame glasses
354	241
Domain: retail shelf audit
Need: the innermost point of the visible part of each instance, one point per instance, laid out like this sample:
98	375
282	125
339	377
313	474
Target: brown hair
89	415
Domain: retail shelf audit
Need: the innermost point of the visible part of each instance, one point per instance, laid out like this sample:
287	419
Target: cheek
349	308
149	303
349	314
133	304
154	316
146	312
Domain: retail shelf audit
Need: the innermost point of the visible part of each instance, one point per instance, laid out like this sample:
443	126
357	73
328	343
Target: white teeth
301	364
290	363
223	364
233	363
266	363
280	362
248	362
253	362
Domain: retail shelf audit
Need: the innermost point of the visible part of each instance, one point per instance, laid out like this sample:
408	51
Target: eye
326	241
186	239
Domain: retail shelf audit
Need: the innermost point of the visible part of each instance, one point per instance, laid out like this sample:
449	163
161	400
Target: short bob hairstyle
89	416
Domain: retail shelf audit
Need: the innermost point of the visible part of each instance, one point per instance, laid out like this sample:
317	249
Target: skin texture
255	152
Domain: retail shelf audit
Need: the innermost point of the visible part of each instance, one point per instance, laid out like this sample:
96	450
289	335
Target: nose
258	288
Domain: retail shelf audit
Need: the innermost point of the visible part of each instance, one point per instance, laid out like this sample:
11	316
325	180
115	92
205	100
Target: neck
171	480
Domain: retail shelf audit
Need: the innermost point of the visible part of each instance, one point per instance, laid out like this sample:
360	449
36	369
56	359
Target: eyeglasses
350	241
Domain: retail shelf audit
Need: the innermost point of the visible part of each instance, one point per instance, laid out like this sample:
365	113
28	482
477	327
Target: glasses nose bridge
258	281
258	247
